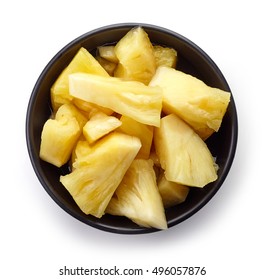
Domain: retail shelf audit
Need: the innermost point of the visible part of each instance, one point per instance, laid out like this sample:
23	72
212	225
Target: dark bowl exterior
192	60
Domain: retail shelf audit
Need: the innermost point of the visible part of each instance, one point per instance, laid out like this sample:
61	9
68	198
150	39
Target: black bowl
192	60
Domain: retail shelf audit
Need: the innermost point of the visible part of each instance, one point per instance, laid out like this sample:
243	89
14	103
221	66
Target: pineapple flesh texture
165	56
60	135
93	182
83	61
171	192
99	125
129	98
136	58
107	65
108	53
142	131
201	106
81	149
90	108
138	198
70	111
183	154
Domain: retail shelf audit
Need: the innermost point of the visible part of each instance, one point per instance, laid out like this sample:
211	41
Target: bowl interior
192	60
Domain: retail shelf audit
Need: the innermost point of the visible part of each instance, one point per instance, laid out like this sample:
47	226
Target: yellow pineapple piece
201	106
60	135
90	108
136	56
138	198
108	53
95	179
142	131
171	193
183	154
83	61
81	150
70	111
109	66
99	125
165	56
57	140
129	98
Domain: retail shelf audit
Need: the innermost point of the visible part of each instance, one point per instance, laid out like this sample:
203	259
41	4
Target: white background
226	236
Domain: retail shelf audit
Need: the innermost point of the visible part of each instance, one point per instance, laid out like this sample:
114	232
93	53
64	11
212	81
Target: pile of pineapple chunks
132	129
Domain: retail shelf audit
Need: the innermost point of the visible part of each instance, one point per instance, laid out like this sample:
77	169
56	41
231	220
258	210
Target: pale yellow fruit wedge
165	56
199	105
70	111
93	183
99	125
183	154
136	57
171	193
107	65
60	135
128	98
81	150
58	139
142	131
108	53
90	108
138	198
83	61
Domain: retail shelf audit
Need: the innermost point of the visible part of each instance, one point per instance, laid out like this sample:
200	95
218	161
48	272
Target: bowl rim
34	157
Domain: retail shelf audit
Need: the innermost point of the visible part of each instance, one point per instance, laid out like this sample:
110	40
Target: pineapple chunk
83	61
107	65
90	108
183	154
165	56
138	198
60	135
70	111
93	183
108	53
99	125
129	98
136	57
142	131
57	140
171	192
201	106
81	150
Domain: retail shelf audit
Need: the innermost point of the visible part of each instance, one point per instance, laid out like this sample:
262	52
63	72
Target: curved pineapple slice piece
83	61
136	58
138	198
130	98
183	154
201	106
97	174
